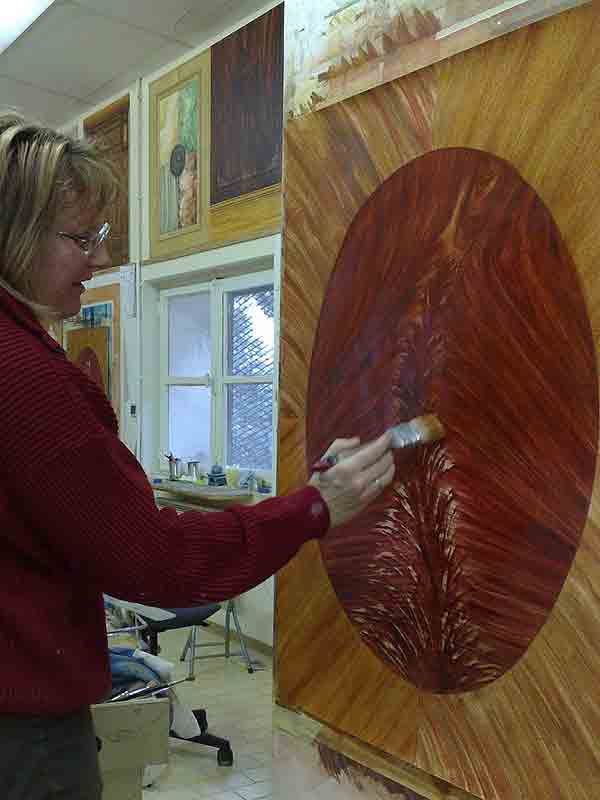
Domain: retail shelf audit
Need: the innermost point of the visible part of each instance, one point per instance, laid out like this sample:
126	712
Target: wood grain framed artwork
109	128
180	158
440	254
247	109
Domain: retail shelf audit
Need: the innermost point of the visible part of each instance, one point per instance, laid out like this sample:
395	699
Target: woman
77	514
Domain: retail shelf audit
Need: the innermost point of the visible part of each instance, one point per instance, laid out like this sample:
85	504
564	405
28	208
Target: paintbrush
418	431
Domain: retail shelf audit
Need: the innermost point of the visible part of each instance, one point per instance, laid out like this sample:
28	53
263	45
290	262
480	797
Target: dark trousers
42	758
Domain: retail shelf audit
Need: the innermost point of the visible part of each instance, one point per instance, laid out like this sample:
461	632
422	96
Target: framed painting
90	348
92	339
180	158
109	128
247	109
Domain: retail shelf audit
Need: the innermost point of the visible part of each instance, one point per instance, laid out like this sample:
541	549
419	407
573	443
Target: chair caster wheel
224	756
250	670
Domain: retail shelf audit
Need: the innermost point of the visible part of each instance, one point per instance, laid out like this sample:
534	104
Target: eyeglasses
89	244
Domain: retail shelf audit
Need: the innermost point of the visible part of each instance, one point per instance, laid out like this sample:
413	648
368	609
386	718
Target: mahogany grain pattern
532	100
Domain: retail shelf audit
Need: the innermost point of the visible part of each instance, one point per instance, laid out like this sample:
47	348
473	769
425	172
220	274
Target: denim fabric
127	671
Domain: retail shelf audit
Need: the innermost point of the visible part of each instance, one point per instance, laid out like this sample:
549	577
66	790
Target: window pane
251	332
189	335
189	422
250	425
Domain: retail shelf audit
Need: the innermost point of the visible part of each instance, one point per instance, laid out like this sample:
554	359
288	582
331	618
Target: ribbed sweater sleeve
75	483
97	512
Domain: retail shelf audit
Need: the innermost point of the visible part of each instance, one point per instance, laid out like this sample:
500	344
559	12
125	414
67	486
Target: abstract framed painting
179	158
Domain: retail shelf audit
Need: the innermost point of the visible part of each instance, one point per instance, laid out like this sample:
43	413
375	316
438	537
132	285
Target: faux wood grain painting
460	280
441	255
247	108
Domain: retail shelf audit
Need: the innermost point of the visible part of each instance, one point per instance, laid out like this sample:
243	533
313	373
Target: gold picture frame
179	138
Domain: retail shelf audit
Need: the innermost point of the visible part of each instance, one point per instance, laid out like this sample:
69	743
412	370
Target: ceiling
78	53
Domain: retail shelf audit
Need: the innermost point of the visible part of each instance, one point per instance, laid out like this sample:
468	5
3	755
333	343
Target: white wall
255	608
139	334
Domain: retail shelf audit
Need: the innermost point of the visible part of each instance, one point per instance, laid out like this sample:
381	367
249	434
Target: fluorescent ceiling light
16	16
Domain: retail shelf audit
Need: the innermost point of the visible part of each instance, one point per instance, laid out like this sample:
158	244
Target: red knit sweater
78	518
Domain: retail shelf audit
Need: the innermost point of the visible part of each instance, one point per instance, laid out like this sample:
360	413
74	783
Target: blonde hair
42	172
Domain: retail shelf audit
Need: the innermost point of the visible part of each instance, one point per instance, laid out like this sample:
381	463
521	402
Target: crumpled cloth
183	723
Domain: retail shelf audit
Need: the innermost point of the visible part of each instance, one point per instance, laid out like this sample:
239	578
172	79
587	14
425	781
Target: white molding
253	256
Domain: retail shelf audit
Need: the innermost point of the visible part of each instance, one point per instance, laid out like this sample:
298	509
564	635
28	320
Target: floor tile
226	796
260	773
257	791
239	708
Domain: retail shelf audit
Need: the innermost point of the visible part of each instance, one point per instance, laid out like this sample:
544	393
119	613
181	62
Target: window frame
217	379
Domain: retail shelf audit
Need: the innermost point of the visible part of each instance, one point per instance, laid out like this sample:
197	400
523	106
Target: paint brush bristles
420	430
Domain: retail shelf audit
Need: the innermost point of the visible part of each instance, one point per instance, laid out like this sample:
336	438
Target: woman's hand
356	480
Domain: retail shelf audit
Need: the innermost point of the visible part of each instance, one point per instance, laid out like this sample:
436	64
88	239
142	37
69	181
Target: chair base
191	645
224	751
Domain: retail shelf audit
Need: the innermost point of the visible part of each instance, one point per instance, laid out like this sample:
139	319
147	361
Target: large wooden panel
247	108
531	99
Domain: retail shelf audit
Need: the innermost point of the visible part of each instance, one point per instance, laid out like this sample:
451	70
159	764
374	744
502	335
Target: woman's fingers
363	460
339	446
375	487
356	480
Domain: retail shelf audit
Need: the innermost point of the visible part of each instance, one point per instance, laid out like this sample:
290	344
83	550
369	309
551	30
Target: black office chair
188	618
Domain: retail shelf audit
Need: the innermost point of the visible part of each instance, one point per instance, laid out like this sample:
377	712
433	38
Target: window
217	367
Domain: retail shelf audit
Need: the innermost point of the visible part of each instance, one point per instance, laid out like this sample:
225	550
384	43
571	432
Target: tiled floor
238	707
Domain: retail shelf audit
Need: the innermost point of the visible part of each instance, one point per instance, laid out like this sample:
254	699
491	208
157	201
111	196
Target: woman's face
63	266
